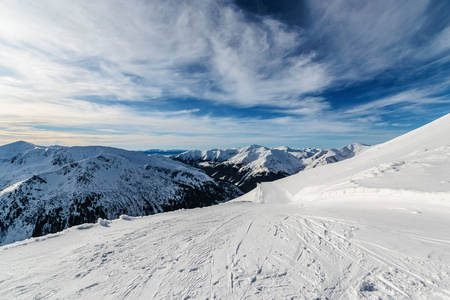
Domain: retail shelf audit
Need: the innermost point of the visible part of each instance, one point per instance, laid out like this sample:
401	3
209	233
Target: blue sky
214	74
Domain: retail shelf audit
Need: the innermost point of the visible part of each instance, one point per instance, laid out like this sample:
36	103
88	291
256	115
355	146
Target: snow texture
371	227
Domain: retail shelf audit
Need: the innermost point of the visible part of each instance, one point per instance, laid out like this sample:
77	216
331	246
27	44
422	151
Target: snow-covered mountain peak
245	166
283	148
10	150
18	145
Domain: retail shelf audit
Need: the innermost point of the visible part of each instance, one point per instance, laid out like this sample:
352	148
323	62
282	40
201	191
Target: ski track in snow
231	251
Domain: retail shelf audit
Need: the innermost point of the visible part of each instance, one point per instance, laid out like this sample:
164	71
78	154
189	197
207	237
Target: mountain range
47	189
247	166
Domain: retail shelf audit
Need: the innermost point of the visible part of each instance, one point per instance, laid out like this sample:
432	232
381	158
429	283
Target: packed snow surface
375	226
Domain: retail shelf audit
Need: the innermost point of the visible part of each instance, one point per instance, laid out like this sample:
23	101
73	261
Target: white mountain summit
247	166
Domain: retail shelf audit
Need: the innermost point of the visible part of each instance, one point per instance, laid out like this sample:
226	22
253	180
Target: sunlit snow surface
374	226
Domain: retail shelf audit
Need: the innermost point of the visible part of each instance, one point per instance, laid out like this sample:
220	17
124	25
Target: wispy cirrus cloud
154	49
367	37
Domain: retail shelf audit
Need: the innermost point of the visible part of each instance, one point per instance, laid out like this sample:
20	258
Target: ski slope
375	226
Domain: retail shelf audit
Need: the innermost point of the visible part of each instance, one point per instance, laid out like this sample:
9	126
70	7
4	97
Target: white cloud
77	48
308	106
398	102
365	38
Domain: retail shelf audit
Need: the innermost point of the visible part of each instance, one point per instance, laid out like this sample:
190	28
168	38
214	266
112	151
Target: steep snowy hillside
416	163
375	226
247	166
47	189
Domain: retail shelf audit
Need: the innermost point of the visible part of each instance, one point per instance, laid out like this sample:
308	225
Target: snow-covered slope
417	163
46	189
247	166
375	226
